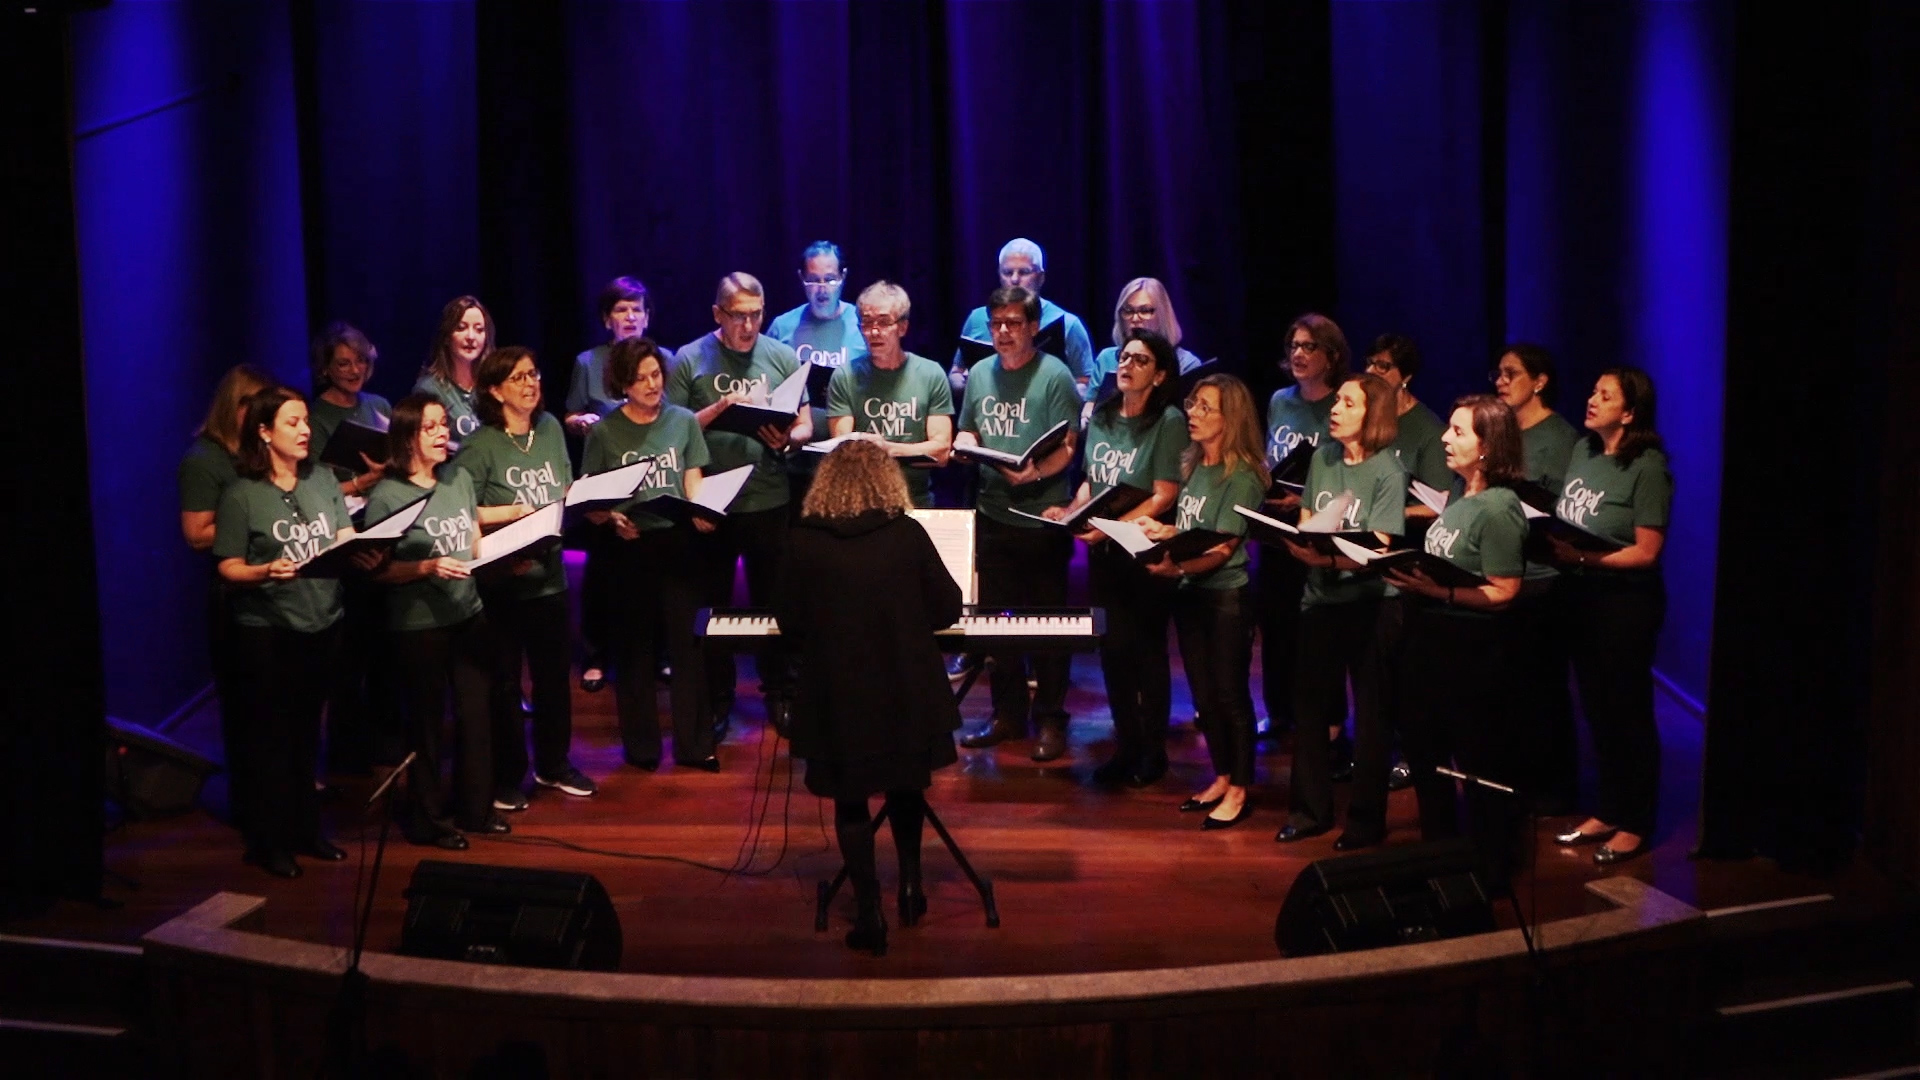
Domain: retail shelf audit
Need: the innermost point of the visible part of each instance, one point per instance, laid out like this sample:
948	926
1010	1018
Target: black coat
860	599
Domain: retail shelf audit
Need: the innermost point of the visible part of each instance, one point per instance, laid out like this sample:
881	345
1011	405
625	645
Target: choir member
874	715
1354	476
1524	379
651	592
1014	397
1618	487
441	639
1143	305
731	364
271	520
518	463
1135	438
464	335
1023	265
1213	607
342	360
1396	358
1455	706
890	396
825	330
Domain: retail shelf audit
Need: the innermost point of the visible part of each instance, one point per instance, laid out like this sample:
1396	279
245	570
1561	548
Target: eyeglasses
1380	366
1197	407
743	316
1303	346
1127	359
880	322
821	282
1500	375
531	375
1144	311
1006	324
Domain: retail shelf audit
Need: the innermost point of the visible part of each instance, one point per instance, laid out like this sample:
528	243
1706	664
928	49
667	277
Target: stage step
70	1008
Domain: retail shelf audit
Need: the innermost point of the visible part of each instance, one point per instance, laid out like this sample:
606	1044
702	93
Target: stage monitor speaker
150	775
508	915
1396	896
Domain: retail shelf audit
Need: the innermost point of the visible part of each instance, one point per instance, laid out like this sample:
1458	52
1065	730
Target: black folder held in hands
780	408
381	536
1052	338
349	441
716	493
1110	503
1179	547
1290	473
1539	528
1272	530
1440	570
1039	448
530	537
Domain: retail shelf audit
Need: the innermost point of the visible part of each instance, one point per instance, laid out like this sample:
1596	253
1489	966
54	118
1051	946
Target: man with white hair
891	396
1024	266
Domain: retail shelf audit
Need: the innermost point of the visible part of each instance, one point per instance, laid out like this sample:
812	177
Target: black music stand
826	890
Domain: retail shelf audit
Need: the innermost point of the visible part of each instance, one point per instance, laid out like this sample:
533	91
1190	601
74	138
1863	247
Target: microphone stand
347	1025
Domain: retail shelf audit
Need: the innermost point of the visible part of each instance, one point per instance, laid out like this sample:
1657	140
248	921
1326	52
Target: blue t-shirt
830	343
1079	357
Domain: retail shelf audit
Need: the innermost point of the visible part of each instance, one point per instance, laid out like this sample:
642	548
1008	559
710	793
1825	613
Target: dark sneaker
510	800
568	781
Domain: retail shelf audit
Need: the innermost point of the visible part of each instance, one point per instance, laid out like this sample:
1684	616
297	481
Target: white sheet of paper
1430	497
1270	522
394	525
952	534
1353	551
1125	533
786	396
1327	519
718	491
511	537
617	483
828	446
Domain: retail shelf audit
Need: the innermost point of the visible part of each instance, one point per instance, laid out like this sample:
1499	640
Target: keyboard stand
825	891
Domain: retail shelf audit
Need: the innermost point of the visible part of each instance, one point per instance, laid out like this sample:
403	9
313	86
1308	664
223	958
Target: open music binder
1407	559
828	446
349	441
605	490
1110	503
1290	474
780	408
1052	338
1178	547
716	493
818	376
1040	447
530	537
1541	526
1319	533
381	536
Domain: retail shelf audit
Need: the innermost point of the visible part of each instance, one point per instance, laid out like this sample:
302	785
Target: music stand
825	891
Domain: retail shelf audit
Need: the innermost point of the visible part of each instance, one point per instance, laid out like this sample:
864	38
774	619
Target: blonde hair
735	283
1242	441
222	424
858	476
1163	316
887	297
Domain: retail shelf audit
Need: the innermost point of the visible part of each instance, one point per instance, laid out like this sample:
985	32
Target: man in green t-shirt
1014	397
737	363
892	396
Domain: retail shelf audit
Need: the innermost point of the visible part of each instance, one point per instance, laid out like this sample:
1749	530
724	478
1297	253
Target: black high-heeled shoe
869	933
913	902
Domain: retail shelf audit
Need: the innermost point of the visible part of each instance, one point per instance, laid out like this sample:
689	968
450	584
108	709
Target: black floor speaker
150	775
509	915
1395	896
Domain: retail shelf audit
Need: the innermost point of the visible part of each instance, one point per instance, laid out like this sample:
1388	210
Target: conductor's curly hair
857	477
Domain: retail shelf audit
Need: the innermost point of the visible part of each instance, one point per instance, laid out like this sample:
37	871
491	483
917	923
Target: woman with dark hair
1221	468
1618	488
441	639
651	591
465	334
341	361
1523	379
286	628
873	714
1351	477
518	463
1135	438
1396	359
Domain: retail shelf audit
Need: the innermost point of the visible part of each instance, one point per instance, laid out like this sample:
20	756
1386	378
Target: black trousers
363	723
1279	580
1216	647
1538	634
1456	708
1338	643
596	597
530	633
654	599
1025	568
461	658
223	660
1615	624
906	811
1133	654
281	679
759	537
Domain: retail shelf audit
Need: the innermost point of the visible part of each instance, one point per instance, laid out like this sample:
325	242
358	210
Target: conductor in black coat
860	597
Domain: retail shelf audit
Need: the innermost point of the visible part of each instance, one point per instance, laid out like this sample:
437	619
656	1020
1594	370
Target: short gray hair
887	297
737	282
1020	245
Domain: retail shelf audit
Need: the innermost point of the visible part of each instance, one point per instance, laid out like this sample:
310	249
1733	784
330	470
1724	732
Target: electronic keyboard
980	629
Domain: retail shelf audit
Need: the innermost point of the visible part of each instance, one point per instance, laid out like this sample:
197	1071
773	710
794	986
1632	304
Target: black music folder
1273	530
349	441
1110	503
716	493
1290	475
1178	547
818	376
780	409
1048	441
1539	528
381	536
1052	338
530	537
1440	570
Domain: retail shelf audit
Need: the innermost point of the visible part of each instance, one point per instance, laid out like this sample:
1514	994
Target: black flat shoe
1290	834
869	935
1606	856
643	764
997	731
1576	837
491	825
705	764
595	684
278	863
1149	771
1213	824
1353	840
322	848
1197	805
913	903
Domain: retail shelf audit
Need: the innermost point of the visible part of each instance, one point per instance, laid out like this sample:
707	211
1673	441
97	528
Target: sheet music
610	486
517	535
1430	497
718	491
952	535
1125	533
786	396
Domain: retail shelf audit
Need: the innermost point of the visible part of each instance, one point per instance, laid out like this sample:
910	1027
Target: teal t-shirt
1419	450
1379	486
325	418
462	421
1136	452
1607	500
831	343
1548	446
1006	411
1481	534
673	440
587	386
1079	347
518	470
1207	501
707	371
893	405
205	473
448	526
1292	419
258	522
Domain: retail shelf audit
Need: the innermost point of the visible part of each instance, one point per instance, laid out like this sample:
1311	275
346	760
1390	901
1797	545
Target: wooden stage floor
1087	879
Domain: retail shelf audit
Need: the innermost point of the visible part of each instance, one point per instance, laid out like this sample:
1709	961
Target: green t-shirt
325	418
205	473
1548	445
1607	500
513	470
462	421
1206	501
707	371
1006	411
1292	419
1379	486
447	526
1419	450
892	404
673	441
1481	534
1134	452
259	523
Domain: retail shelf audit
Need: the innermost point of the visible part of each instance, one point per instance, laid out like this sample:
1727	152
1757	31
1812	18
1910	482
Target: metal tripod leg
825	891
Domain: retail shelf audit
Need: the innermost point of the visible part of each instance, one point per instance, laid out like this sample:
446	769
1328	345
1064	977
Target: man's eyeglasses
1007	324
1144	311
820	282
742	316
881	322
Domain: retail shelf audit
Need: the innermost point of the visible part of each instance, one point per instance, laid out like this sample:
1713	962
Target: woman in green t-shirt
440	635
1354	474
1455	707
465	334
1135	438
286	628
1223	467
1618	488
341	362
518	462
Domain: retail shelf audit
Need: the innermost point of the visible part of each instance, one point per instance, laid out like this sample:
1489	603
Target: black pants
281	679
596	597
654	598
1133	654
759	537
1538	633
1456	705
1615	623
532	633
460	657
1279	581
1216	647
906	810
223	660
1337	642
1025	568
363	724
